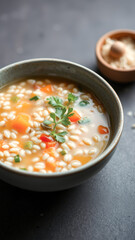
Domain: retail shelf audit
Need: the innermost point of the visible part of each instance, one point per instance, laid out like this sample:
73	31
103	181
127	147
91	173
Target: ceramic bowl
117	75
79	74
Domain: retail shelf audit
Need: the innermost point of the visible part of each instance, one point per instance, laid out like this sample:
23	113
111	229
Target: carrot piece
102	129
21	123
75	118
51	151
47	89
50	144
1	145
51	166
48	140
36	169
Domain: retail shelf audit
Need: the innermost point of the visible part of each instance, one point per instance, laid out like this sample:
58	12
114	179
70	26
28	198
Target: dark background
103	208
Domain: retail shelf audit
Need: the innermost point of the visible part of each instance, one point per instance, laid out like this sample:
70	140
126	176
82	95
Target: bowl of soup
59	124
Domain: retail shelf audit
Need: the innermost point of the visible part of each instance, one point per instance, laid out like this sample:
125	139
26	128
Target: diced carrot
50	144
102	129
1	145
47	89
51	166
51	151
48	140
21	123
75	118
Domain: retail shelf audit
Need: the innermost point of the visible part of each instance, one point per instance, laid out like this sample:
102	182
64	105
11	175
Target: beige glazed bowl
117	75
87	78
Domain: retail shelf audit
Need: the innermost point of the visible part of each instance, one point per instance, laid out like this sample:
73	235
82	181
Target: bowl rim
95	161
100	43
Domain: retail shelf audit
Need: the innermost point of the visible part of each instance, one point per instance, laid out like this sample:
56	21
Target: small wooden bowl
117	75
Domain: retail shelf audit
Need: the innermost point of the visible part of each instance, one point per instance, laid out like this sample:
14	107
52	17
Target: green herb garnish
84	120
61	116
45	124
55	102
72	98
28	145
83	103
17	158
59	137
14	99
35	98
63	152
25	169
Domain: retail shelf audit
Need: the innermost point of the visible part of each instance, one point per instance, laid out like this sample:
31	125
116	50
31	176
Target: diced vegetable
1	144
46	138
83	103
17	158
14	99
75	117
51	151
21	123
103	130
84	120
25	169
51	166
35	98
47	89
63	152
28	145
50	144
72	98
45	124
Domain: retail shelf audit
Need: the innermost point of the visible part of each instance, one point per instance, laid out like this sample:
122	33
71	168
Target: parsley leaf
53	116
72	98
59	136
55	101
47	122
35	98
83	103
65	121
84	120
60	112
61	116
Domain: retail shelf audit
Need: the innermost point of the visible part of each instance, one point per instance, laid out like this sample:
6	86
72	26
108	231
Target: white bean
67	157
75	163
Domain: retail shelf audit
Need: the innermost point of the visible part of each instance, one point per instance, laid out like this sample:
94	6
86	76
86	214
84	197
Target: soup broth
50	125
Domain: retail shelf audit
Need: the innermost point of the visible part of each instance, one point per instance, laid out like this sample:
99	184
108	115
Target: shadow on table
26	213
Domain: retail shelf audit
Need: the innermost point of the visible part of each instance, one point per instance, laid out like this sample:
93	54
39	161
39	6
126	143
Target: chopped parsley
17	159
61	116
72	98
35	98
63	152
83	103
84	120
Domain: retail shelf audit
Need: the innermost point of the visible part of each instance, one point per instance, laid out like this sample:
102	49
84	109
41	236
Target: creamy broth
31	140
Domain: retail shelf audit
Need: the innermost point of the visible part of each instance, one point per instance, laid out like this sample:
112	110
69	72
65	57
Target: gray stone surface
104	207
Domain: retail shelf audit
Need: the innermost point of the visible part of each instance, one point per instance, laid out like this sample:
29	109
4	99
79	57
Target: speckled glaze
117	75
54	67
